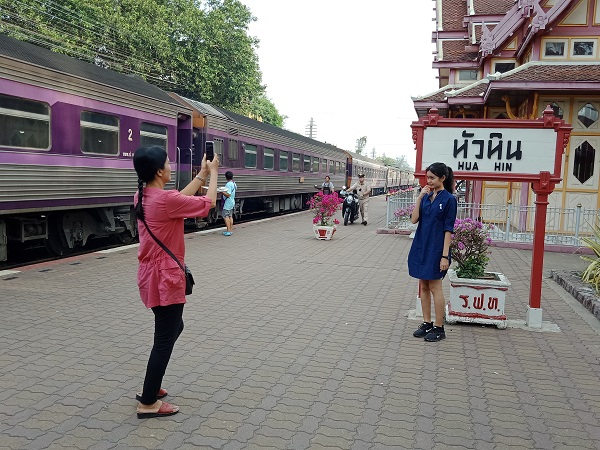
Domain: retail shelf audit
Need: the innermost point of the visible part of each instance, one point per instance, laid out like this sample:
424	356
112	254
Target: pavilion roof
453	13
454	51
490	7
533	76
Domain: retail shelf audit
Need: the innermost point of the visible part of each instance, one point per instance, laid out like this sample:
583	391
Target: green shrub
592	273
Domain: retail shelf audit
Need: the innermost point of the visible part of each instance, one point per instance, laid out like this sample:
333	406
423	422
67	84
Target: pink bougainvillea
324	207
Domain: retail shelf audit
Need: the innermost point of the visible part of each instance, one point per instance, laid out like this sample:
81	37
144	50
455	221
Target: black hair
147	161
229	175
442	170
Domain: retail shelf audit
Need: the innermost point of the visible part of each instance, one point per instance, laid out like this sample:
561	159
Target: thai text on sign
510	150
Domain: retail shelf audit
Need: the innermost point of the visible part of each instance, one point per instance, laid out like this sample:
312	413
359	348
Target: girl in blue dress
429	256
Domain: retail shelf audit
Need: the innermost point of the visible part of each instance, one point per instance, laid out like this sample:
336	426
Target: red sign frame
548	121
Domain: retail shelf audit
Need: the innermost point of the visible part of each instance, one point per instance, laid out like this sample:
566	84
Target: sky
350	66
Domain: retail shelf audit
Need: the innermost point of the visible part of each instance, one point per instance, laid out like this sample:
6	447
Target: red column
542	189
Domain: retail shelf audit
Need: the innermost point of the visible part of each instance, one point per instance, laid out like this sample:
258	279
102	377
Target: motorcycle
350	208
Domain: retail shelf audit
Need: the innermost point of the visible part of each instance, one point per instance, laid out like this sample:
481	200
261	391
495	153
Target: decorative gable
578	15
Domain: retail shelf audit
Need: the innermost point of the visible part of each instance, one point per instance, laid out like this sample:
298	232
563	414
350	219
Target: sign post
500	150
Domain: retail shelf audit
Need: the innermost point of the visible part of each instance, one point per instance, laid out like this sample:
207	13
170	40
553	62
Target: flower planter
477	300
323	232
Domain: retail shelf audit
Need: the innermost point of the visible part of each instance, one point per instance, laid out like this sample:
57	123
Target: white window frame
555	41
594	49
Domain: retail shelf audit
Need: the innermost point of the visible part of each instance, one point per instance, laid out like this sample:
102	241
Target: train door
184	151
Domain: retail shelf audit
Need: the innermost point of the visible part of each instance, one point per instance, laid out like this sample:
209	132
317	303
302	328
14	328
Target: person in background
160	280
229	204
327	186
363	189
429	256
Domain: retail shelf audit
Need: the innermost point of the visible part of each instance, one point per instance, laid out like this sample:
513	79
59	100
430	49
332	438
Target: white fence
514	223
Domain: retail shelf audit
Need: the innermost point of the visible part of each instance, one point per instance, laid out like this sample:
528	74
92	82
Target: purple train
68	131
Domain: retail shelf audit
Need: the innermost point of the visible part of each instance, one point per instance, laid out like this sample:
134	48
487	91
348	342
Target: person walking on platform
327	186
429	256
229	204
363	189
161	281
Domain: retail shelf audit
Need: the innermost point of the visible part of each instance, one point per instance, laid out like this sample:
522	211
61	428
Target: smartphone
209	150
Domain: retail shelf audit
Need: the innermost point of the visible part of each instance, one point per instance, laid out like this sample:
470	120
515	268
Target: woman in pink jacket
160	279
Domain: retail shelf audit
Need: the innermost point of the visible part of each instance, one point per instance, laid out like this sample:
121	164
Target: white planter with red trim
477	300
324	233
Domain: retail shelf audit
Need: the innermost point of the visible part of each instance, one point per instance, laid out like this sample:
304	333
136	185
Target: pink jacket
160	279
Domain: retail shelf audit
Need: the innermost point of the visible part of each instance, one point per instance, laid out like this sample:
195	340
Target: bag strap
163	246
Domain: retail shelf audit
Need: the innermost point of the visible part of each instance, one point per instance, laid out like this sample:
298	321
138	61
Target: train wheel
346	216
125	238
56	244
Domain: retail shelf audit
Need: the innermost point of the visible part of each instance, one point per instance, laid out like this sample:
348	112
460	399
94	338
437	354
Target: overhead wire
114	57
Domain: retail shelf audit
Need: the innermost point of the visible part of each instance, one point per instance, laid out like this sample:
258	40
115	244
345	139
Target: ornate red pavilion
511	59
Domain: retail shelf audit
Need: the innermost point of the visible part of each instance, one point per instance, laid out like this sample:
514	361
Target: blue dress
435	218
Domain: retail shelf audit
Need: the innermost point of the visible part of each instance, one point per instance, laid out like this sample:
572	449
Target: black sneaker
423	329
436	334
365	222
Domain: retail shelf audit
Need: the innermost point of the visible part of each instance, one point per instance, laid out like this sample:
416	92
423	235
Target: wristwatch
198	177
445	257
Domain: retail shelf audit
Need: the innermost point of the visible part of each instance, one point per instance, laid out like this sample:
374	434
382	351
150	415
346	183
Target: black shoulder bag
189	279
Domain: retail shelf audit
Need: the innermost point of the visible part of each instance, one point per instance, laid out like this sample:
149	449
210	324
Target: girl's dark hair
147	161
442	170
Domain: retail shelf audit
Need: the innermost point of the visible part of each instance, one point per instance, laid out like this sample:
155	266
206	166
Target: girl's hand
204	170
444	264
213	165
425	191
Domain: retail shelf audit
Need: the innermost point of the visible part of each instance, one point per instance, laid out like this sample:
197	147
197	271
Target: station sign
501	151
492	149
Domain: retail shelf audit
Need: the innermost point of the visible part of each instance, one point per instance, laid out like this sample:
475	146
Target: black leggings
168	325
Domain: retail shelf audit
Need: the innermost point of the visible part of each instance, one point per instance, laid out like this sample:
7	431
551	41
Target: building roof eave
476	100
546	86
455	64
540	21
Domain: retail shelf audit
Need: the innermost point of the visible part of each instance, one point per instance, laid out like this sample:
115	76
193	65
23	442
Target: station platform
292	343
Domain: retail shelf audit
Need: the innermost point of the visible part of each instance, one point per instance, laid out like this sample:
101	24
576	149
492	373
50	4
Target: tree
197	48
360	144
386	160
403	164
264	110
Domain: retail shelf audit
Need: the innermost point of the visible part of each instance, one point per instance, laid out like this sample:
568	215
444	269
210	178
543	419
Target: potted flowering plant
403	215
324	207
470	247
475	295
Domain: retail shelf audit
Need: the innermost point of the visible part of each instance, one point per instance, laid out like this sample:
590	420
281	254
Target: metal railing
514	223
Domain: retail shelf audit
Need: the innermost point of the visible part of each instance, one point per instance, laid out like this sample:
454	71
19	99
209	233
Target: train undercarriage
62	232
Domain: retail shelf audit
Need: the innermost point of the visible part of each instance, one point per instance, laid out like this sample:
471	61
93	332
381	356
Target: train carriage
275	169
375	172
68	131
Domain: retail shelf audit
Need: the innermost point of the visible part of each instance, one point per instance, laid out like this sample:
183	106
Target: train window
306	163
151	134
331	166
233	150
296	162
99	133
24	123
269	159
250	156
218	148
316	164
283	161
324	165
